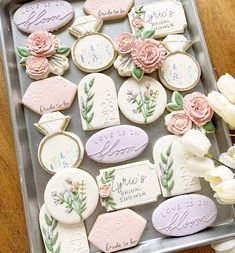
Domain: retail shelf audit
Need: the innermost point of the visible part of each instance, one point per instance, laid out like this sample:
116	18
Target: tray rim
216	233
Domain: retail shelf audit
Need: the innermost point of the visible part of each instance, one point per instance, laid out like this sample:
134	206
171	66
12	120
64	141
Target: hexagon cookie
108	9
117	231
49	95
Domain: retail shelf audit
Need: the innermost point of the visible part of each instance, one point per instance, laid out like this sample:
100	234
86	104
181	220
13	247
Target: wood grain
217	18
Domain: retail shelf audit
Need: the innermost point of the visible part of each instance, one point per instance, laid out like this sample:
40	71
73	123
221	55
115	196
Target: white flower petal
226	190
226	85
227	160
227	246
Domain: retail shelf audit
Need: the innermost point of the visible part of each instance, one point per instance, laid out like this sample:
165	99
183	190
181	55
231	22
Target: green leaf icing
23	51
165	165
178	98
63	50
137	73
148	33
50	237
138	33
87	103
173	107
209	127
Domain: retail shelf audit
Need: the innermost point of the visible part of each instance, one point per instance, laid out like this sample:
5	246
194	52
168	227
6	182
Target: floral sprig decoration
145	102
218	174
50	235
187	112
105	189
73	196
138	54
43	55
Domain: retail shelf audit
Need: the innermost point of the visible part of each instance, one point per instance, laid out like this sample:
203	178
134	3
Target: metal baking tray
34	179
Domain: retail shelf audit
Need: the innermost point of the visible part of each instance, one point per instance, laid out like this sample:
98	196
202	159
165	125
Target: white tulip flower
226	85
225	192
218	175
228	158
196	143
227	246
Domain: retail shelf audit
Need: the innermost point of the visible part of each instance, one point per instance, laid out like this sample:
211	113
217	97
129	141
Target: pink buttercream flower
37	67
137	22
105	190
76	184
197	108
125	43
178	122
42	44
148	54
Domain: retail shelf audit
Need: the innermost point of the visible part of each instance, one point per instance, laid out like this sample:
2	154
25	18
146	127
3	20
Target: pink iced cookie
43	15
49	95
108	9
118	230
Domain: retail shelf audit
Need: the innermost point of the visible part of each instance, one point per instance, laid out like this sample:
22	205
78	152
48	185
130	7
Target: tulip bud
226	85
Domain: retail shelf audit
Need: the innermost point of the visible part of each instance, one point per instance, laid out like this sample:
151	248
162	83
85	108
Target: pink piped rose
137	22
42	44
148	54
105	190
125	43
178	122
197	108
37	67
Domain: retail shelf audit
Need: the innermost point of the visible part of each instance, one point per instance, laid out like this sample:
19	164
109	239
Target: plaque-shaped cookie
98	102
170	158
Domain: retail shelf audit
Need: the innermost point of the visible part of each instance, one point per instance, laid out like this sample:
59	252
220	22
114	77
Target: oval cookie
71	196
184	215
142	102
93	52
180	71
43	15
116	144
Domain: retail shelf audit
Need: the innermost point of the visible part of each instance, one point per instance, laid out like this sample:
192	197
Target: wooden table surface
217	18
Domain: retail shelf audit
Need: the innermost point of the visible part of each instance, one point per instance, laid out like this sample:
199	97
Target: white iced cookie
59	150
98	102
180	71
176	42
142	102
170	158
62	238
93	52
124	65
71	196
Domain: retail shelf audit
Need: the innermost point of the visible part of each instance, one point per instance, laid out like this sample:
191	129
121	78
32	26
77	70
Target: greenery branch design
165	165
107	178
145	102
73	197
51	235
87	103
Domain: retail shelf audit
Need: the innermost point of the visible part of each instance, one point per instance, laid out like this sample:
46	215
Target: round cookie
71	196
180	71
142	102
93	52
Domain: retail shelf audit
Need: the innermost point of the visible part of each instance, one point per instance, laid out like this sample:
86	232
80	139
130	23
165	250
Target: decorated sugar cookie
180	71
117	230
117	144
48	95
138	54
142	102
93	51
170	158
164	17
108	10
59	150
71	196
98	102
41	15
128	185
43	55
61	238
186	112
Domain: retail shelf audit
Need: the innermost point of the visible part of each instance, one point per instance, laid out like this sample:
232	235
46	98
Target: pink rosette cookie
105	190
178	122
137	22
37	67
125	43
42	44
197	108
148	54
